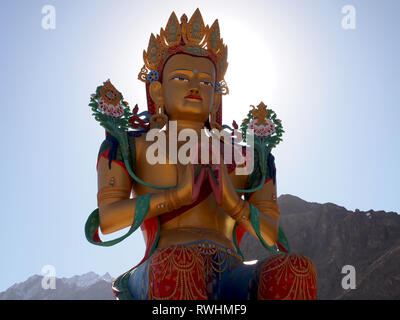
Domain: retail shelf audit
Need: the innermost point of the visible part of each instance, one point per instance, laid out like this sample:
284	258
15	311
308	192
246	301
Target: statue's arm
264	199
116	207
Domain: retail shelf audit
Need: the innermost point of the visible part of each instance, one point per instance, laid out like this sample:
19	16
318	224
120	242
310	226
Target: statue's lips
194	97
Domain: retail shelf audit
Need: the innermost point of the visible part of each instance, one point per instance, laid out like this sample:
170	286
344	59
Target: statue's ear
156	93
217	102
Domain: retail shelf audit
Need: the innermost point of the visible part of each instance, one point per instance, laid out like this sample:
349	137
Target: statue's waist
218	253
185	235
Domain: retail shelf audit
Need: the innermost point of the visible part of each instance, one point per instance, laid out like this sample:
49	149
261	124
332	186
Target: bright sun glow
251	71
250	262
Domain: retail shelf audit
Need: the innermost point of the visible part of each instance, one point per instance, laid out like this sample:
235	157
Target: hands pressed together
190	179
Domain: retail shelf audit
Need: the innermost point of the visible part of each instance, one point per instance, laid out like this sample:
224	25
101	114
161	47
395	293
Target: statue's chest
157	174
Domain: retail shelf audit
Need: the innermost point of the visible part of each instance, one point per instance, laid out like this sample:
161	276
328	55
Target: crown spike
184	18
196	28
193	37
153	53
173	31
214	40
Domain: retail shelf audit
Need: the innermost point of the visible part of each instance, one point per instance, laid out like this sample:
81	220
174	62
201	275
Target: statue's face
188	87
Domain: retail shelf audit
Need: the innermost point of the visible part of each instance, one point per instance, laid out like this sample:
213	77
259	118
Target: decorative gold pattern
110	94
191	37
143	74
217	259
224	87
186	263
188	266
294	269
260	113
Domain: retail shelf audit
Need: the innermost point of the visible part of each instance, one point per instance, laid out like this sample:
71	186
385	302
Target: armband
111	192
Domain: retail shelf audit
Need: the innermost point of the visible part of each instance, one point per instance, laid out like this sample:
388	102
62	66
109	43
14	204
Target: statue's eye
179	78
207	83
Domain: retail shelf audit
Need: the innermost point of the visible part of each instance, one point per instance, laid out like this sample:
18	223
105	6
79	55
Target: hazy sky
335	90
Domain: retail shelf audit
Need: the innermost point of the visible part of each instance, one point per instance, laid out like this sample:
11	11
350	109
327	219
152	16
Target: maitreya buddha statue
193	215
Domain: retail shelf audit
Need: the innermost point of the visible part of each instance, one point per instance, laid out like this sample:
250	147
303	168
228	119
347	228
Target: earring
159	119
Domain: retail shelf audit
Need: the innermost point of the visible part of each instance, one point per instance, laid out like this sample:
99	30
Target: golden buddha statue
192	215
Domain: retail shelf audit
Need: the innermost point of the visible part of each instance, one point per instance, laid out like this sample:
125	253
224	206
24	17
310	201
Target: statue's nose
195	92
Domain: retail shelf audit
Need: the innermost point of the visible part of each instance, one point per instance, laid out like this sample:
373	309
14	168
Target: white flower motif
111	110
262	130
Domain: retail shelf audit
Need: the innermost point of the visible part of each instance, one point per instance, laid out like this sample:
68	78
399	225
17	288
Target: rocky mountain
334	237
87	286
328	234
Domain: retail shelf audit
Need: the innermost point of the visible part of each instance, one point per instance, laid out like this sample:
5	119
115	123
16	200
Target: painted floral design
115	111
153	76
262	130
110	94
267	128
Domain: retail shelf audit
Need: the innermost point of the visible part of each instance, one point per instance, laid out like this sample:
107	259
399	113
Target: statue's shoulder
141	143
111	150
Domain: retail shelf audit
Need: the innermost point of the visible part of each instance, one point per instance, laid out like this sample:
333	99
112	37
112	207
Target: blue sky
336	91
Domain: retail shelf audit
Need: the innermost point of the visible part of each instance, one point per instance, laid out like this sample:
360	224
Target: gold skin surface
184	77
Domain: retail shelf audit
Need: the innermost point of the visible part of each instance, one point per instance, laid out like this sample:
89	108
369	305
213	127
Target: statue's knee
177	273
287	277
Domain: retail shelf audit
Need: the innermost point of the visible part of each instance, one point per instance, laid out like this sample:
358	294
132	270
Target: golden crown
191	37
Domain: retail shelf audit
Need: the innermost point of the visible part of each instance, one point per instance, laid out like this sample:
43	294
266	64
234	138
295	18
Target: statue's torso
203	221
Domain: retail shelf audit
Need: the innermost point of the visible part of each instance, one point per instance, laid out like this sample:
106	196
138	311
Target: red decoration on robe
177	273
288	277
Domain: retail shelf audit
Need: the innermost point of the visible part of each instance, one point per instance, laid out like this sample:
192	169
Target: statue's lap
204	270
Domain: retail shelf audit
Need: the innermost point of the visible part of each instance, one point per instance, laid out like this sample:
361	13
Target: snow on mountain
87	279
88	286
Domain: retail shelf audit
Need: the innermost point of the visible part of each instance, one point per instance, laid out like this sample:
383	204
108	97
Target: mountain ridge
333	237
329	234
88	286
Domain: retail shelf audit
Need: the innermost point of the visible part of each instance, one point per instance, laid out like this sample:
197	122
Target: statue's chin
192	112
191	118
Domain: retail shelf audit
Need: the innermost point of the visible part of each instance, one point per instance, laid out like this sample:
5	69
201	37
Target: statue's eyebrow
191	71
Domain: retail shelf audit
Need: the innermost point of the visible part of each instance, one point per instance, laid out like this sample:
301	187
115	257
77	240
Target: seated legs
206	271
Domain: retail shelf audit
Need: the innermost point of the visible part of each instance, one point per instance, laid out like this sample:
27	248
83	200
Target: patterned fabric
288	277
183	272
204	270
177	273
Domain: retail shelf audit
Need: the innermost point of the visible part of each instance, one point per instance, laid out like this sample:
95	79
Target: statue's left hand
230	197
184	186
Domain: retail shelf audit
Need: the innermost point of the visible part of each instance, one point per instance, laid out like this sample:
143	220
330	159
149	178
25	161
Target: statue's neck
186	124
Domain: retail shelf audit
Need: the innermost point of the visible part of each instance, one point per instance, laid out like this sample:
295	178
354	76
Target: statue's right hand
184	187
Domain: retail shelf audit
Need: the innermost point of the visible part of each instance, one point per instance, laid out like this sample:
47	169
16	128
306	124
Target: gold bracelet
174	198
171	199
237	211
